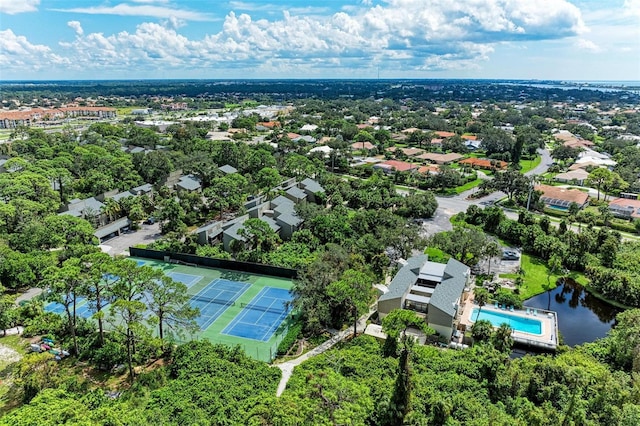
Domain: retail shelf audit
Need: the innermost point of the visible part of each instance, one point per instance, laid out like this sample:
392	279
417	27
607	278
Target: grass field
467	186
527	165
263	351
535	277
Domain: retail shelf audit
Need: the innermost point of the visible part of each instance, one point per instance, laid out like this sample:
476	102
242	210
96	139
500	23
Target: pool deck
548	340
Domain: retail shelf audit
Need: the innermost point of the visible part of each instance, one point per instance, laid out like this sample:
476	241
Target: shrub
290	338
508	298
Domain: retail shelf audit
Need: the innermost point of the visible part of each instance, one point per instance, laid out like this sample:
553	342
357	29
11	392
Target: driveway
120	245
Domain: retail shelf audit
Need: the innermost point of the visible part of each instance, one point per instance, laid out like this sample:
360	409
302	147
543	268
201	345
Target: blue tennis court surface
215	298
58	308
262	316
186	279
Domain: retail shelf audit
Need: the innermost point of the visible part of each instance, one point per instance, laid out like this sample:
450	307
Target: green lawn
535	277
526	165
468	186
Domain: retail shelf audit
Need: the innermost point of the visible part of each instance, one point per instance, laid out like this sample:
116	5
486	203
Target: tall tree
352	292
599	177
66	283
167	299
98	268
128	316
396	325
491	250
481	297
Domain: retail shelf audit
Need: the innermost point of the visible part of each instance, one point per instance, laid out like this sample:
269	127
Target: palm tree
491	250
111	208
481	296
502	339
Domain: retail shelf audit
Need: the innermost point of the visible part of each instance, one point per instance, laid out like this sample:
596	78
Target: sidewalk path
287	367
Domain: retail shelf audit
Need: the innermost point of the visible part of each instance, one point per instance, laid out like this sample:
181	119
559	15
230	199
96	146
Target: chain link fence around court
260	351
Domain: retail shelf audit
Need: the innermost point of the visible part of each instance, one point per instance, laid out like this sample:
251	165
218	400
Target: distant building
10	119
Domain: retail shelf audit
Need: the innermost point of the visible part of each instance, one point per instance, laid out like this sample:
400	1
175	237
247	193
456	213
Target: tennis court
237	308
186	279
262	316
58	308
215	298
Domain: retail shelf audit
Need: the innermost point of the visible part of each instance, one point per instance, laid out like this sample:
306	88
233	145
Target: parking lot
120	244
499	265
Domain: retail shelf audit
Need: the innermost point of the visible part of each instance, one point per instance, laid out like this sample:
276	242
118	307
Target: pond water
581	317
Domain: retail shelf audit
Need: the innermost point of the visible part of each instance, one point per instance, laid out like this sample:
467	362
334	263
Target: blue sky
122	39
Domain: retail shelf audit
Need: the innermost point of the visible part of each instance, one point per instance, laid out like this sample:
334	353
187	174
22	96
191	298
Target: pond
581	316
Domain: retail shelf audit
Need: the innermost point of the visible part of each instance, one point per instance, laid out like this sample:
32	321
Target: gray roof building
431	288
189	183
311	185
227	169
296	194
122	195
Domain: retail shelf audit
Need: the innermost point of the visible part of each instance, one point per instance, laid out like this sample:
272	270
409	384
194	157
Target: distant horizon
549	40
634	82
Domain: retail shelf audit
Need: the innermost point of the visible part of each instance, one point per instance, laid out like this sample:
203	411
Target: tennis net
216	301
270	309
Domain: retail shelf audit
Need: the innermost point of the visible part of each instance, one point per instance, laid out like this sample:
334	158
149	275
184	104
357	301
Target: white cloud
632	8
588	45
152	11
18	54
76	27
404	35
11	7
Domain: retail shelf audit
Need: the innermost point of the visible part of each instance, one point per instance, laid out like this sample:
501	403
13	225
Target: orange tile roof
443	134
484	163
362	145
470	137
433	169
564	194
269	124
401	166
440	158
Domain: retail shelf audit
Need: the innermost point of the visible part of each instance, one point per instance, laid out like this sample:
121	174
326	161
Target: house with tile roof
578	176
391	166
436	158
362	145
444	135
626	208
434	290
561	198
484	163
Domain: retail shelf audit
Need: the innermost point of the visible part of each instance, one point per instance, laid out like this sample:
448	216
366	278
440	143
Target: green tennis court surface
251	306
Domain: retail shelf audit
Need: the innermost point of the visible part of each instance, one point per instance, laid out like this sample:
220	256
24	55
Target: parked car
510	255
150	221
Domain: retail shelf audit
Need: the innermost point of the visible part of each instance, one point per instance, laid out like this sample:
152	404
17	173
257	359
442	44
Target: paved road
544	165
459	203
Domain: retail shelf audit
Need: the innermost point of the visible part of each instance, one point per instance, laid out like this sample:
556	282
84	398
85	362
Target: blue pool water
524	325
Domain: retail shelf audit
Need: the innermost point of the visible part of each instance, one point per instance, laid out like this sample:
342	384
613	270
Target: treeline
610	264
362	382
225	90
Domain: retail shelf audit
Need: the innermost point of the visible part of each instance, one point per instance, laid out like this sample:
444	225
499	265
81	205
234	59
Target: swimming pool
521	324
